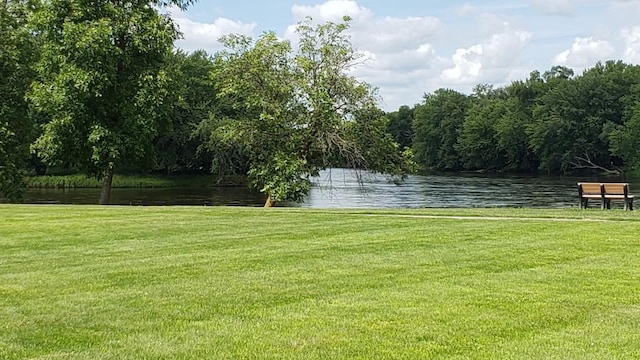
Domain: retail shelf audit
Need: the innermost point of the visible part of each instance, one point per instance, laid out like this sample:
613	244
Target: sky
414	47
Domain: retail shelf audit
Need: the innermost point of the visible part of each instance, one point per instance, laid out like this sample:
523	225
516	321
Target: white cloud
623	13
465	10
585	52
391	34
399	51
329	11
467	66
198	35
492	60
555	7
492	24
386	34
470	42
400	74
401	61
332	10
426	49
503	49
631	38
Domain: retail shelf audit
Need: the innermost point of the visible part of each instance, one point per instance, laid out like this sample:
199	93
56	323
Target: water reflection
230	196
339	188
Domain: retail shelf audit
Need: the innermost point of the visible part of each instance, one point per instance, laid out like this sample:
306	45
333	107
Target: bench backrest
616	188
590	188
603	188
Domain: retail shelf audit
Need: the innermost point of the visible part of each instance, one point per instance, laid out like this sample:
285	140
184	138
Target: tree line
556	123
98	87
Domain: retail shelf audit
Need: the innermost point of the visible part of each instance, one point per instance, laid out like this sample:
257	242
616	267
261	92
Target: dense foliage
18	51
555	123
289	114
99	88
102	82
113	95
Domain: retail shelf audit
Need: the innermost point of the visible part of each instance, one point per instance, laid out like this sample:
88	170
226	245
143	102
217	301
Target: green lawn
88	282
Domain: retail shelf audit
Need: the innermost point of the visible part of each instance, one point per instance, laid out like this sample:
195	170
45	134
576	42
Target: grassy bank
238	283
129	181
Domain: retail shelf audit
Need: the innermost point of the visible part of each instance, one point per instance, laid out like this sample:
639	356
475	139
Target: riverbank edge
80	181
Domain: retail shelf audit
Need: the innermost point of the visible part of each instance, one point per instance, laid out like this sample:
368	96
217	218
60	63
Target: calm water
340	188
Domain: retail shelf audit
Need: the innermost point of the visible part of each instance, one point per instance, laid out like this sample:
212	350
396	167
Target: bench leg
606	204
628	204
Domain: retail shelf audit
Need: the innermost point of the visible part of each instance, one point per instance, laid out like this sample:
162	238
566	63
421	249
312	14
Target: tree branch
585	162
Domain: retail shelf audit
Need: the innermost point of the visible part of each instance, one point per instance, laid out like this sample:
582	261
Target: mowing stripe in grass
490	218
236	283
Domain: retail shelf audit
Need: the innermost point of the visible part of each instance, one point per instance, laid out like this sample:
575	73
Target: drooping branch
585	162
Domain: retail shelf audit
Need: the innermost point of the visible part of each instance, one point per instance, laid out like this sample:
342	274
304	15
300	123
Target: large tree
101	82
575	118
401	126
624	137
296	113
193	99
478	138
511	129
17	55
436	127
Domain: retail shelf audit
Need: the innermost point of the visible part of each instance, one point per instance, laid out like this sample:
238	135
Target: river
339	188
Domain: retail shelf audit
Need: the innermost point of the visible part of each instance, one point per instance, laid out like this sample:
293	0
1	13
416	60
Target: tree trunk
105	195
269	203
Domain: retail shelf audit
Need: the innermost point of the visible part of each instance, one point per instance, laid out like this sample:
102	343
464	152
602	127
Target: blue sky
416	47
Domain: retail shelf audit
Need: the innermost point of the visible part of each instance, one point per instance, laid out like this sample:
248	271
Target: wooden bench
605	192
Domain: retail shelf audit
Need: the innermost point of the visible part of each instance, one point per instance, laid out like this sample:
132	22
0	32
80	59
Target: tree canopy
18	52
99	88
555	123
101	82
295	113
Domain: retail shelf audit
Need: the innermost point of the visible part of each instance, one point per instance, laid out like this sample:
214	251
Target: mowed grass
88	282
